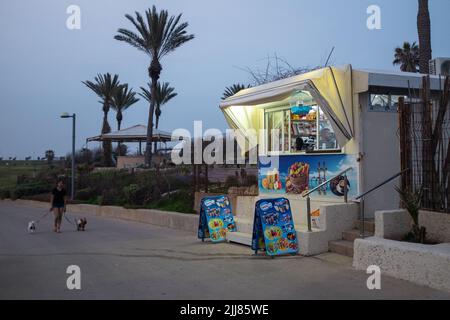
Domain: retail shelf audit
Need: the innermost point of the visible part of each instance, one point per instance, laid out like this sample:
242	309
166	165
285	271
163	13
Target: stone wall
437	225
395	224
422	264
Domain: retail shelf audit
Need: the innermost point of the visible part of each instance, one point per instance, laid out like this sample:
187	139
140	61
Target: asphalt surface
127	260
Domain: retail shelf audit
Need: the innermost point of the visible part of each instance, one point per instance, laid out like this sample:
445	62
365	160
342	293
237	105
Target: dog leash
43	216
68	220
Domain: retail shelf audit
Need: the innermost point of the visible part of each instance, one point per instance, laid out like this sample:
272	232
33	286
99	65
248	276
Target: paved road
126	260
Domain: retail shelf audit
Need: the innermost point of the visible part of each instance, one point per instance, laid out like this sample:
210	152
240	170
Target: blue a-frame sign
273	228
216	219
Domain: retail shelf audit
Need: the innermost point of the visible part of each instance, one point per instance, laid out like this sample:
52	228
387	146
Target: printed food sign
295	174
216	219
273	228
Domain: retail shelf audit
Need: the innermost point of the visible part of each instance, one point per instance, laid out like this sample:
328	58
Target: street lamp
65	115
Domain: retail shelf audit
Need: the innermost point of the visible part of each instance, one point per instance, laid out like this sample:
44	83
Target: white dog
31	227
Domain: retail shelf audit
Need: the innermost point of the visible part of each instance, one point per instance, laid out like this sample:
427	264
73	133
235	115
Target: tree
424	31
157	36
50	156
104	86
407	57
232	90
164	94
122	99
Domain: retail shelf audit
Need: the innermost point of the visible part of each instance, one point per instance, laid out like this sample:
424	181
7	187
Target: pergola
137	133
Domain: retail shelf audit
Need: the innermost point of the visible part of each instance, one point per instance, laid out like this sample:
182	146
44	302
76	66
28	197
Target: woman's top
58	195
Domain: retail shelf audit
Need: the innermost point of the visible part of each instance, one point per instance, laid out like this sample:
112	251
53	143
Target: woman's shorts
58	205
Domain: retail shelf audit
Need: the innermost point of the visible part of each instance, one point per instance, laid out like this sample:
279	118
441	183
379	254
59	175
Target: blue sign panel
273	228
216	219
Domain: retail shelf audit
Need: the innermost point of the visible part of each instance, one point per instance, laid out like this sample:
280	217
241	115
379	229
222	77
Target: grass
180	202
9	173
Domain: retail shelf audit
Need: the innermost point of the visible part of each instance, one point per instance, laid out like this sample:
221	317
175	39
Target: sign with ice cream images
295	174
273	228
216	219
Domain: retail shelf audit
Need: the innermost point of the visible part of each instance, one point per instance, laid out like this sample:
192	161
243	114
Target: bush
110	197
179	202
133	194
250	180
231	181
5	194
30	189
85	194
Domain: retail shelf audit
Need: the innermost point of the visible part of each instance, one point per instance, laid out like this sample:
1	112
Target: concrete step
244	225
343	247
240	237
354	234
369	225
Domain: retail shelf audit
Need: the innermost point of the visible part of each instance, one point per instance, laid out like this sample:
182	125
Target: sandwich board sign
273	228
216	218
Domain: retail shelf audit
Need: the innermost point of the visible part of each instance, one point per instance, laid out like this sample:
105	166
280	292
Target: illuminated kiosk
329	120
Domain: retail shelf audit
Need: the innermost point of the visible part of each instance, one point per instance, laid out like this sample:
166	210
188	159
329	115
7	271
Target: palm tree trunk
424	30
154	73
155	144
118	143
107	145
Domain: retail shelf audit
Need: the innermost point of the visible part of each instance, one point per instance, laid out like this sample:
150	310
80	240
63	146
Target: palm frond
123	98
104	86
232	90
156	34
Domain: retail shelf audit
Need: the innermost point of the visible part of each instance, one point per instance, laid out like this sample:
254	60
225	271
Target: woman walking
58	204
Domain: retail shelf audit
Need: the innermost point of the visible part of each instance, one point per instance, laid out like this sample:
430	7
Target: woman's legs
58	218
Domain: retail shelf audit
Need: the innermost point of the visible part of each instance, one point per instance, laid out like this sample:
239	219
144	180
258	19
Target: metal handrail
326	182
381	184
308	198
361	196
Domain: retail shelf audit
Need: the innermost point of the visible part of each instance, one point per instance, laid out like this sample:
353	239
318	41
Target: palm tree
164	94
122	99
104	86
407	57
232	90
157	36
424	30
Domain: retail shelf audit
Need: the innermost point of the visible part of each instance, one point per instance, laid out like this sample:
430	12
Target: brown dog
81	224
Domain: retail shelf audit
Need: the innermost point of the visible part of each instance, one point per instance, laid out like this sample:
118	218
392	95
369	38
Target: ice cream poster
273	228
295	174
216	219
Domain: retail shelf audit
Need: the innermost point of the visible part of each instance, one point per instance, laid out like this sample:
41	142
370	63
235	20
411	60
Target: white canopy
136	133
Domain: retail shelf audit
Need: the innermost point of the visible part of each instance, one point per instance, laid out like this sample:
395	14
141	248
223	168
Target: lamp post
65	115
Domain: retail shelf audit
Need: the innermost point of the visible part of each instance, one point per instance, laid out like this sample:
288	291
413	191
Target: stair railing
363	195
308	193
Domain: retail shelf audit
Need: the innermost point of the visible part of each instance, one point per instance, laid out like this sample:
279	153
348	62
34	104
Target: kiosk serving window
299	129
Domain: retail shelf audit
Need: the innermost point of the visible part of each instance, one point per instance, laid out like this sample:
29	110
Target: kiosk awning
331	87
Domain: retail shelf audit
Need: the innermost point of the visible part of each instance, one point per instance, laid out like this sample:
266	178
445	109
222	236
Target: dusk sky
42	62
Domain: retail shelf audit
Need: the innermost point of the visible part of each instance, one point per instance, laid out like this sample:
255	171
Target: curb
172	220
